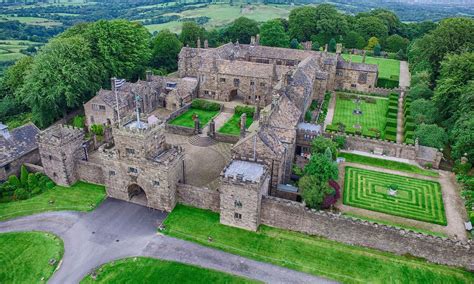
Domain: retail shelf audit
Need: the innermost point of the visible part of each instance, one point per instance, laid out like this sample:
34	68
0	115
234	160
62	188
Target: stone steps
201	141
227	109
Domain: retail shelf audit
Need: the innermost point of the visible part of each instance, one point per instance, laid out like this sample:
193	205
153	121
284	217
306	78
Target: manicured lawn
387	164
186	119
309	254
387	67
373	114
150	270
79	197
24	257
415	199
232	126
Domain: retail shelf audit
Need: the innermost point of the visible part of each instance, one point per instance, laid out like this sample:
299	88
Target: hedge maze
414	199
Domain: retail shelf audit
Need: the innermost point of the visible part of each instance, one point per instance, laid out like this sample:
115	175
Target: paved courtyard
118	229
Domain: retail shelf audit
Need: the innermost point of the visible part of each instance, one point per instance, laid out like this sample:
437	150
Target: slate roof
247	170
22	141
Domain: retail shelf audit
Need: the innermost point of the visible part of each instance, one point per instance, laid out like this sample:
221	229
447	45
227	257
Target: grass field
232	126
24	257
150	270
79	197
186	119
373	114
10	49
36	21
387	67
224	14
416	199
387	164
309	254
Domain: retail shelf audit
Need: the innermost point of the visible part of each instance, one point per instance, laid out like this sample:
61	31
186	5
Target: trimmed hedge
410	135
239	110
409	141
390	137
391	122
387	83
205	105
409	127
391	131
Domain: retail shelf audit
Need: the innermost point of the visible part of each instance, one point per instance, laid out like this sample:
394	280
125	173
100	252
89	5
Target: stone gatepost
198	43
243	122
257	39
206	43
339	48
212	129
197	123
363	56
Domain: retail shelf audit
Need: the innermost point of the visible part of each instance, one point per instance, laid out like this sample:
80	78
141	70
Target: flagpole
116	101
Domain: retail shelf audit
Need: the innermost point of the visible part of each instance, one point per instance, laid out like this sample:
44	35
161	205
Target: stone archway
137	195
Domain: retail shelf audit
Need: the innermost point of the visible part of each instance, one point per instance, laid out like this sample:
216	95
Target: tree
377	49
320	144
315	45
462	137
120	47
272	33
314	191
421	91
294	43
302	24
64	74
166	48
373	41
242	29
371	27
423	111
354	40
190	33
332	45
390	19
401	55
394	43
431	135
321	167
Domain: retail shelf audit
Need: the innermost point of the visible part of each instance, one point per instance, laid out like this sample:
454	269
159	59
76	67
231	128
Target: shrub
391	131
392	115
390	137
36	191
14	181
391	122
239	110
340	141
308	116
410	135
97	129
23	176
21	194
472	218
205	105
387	83
332	128
32	181
370	134
409	127
78	121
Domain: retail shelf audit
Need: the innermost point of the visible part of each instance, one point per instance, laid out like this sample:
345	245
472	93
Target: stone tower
59	147
243	184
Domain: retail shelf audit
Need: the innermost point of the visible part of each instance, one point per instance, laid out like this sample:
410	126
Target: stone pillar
256	114
252	40
197	129
243	121
206	43
149	75
326	47
108	134
198	43
339	48
257	40
417	145
212	129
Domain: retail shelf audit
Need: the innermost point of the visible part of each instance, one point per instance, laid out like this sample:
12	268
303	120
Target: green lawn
373	114
415	199
387	164
232	126
387	67
309	254
24	257
150	270
186	119
79	197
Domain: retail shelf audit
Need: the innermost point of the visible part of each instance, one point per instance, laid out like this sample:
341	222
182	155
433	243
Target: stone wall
180	130
200	197
32	157
90	172
226	138
178	112
294	216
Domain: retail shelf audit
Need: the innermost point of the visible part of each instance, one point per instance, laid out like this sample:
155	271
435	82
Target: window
50	157
206	92
237	203
353	85
339	73
362	78
222	80
236	82
237	216
98	107
252	83
92	119
278	62
262	84
111	173
156	183
55	175
133	170
7	167
130	151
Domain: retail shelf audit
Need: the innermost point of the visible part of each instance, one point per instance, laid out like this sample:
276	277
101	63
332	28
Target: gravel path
331	109
404	75
118	229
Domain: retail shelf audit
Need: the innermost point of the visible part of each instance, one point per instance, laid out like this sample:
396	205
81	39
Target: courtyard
372	118
392	194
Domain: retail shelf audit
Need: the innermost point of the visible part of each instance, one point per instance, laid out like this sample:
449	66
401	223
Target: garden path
404	75
331	109
119	229
454	208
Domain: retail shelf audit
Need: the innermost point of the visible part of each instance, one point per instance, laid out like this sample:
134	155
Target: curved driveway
118	229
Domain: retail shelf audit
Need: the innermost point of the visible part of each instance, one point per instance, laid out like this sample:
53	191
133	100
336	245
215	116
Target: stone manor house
137	164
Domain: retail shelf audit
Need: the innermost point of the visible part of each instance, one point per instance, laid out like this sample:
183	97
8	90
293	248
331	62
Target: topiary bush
21	194
239	110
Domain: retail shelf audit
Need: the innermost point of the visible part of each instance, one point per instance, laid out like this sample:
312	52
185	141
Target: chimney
4	131
252	40
275	100
243	122
257	40
149	74
198	43
326	47
339	48
206	43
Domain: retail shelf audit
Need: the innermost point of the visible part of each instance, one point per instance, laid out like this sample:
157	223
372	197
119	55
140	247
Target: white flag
119	83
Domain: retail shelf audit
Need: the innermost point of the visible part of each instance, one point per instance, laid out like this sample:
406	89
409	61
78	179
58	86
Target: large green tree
462	136
272	33
64	74
371	27
190	32
302	24
320	144
242	29
314	190
165	50
394	43
431	135
423	111
354	40
321	167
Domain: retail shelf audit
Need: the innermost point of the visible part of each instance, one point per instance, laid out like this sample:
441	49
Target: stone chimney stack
4	131
206	43
198	43
243	122
275	100
149	75
252	40
257	40
338	48
307	45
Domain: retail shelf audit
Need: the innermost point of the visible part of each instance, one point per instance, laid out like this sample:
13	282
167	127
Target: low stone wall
178	112
200	197
32	168
89	172
226	138
180	130
294	216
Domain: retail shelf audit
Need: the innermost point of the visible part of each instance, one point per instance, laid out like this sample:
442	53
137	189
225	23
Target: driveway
118	229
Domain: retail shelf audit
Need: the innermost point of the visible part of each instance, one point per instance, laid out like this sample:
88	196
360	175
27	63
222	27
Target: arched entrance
136	194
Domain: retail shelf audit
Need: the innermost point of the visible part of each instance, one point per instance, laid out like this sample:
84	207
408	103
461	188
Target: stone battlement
60	134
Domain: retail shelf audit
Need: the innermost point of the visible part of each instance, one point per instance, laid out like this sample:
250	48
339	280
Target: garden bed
205	110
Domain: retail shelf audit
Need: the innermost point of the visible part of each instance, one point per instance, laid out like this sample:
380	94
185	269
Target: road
118	229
